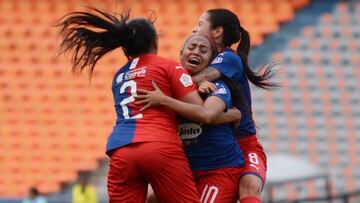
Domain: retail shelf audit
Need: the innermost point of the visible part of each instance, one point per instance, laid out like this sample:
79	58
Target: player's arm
232	115
190	106
208	74
224	64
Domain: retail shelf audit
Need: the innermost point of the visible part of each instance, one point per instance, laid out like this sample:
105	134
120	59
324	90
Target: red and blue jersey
209	147
154	124
231	65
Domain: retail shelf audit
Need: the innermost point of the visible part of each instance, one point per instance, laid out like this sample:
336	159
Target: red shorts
220	185
161	164
255	157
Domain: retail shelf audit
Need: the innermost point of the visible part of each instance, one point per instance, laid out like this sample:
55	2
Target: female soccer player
212	150
224	28
143	147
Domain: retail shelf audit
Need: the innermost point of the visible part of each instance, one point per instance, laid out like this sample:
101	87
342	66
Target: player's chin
202	66
192	68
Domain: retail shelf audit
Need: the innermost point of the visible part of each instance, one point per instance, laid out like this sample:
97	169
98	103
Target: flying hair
91	35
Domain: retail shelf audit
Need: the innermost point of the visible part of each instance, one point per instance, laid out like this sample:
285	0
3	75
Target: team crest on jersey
217	60
220	91
138	73
189	130
186	80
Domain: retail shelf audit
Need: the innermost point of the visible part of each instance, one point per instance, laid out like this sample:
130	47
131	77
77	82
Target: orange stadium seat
297	4
321	74
52	116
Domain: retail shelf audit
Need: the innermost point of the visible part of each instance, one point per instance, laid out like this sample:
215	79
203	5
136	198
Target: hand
206	87
149	98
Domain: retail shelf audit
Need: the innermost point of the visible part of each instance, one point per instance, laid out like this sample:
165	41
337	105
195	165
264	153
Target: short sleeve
228	64
223	93
180	81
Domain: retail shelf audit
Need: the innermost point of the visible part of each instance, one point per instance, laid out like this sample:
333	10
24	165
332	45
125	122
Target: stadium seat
320	75
66	118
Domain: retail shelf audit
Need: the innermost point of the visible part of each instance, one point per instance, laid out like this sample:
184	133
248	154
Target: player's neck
220	47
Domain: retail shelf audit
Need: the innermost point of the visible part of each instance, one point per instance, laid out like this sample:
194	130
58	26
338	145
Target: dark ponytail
238	97
91	36
233	32
257	78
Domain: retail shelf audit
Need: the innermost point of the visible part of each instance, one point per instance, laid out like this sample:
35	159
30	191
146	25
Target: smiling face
196	53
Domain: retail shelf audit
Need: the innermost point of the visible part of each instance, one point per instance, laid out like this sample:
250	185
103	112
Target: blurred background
54	125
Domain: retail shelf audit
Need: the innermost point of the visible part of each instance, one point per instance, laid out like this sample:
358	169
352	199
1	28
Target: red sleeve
180	81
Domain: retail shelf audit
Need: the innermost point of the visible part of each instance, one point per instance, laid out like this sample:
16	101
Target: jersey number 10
132	85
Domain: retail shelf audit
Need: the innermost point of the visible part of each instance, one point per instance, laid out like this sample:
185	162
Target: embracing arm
207	113
212	112
208	74
230	116
190	106
206	87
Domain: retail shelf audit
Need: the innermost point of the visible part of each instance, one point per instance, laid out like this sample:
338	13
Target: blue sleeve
223	93
228	64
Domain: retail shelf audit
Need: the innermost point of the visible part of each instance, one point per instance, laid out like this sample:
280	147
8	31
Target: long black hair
233	32
238	97
90	35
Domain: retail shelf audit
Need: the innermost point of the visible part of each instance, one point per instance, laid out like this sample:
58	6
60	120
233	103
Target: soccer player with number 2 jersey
143	147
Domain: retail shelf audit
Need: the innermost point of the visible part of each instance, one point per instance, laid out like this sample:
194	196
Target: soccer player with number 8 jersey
224	28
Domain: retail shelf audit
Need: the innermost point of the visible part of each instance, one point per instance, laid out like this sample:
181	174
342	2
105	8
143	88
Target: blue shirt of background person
34	197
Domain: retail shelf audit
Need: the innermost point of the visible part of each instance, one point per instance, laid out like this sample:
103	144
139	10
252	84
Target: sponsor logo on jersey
189	142
220	91
138	73
186	80
189	130
179	67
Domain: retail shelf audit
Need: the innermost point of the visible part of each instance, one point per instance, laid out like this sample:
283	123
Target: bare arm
208	74
190	106
232	115
208	113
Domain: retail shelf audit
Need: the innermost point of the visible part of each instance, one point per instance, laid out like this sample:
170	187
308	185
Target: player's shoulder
219	82
165	61
227	56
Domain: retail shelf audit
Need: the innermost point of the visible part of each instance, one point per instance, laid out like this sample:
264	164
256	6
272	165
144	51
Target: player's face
196	54
203	26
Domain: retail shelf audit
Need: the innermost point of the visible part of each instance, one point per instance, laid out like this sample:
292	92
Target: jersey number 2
132	85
